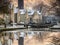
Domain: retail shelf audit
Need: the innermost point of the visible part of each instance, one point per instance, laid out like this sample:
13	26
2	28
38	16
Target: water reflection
30	38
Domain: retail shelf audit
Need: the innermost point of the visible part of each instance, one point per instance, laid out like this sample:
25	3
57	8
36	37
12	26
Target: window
22	11
38	12
30	12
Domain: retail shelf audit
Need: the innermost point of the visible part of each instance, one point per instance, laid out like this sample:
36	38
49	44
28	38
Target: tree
56	40
4	8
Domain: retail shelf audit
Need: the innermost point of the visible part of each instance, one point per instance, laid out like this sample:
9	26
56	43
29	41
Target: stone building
44	5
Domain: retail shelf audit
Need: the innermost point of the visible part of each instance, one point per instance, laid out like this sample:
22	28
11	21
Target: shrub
1	21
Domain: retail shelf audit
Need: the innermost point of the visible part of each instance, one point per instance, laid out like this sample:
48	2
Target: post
20	41
21	38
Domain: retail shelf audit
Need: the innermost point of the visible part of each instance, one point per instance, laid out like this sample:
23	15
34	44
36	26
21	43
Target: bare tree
4	8
56	40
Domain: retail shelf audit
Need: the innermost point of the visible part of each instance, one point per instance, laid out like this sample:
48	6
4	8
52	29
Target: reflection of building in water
31	38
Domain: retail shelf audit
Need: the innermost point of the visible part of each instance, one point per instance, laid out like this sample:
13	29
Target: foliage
1	21
4	7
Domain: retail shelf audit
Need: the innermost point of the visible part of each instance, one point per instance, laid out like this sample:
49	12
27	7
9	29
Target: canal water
28	37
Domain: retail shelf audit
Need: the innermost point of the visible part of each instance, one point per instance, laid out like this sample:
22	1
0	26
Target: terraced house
46	8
